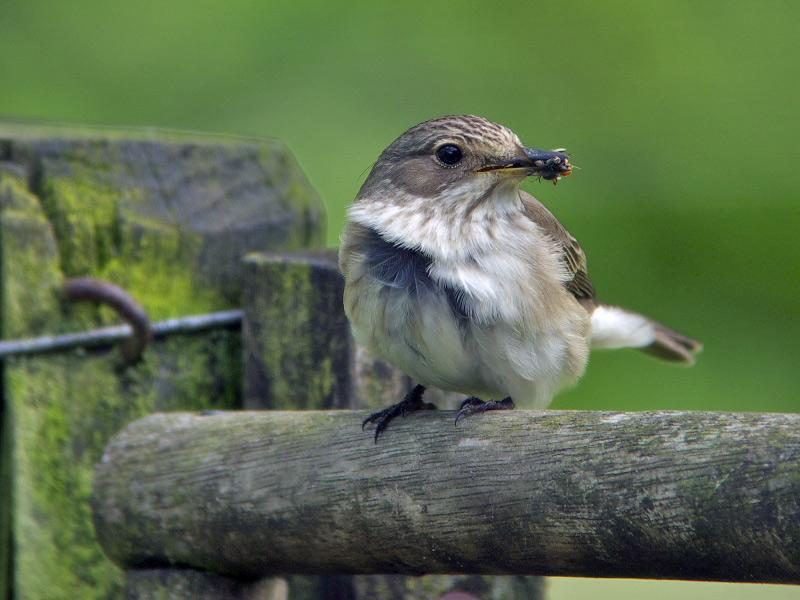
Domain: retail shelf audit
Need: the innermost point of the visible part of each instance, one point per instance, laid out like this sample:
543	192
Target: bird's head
458	157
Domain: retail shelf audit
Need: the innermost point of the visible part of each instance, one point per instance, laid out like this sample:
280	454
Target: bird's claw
411	403
471	406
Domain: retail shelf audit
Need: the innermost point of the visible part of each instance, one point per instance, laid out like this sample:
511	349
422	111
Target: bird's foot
473	405
411	403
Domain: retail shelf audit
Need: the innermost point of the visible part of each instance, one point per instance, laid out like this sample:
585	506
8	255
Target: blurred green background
683	117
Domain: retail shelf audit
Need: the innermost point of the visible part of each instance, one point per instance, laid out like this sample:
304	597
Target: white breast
524	336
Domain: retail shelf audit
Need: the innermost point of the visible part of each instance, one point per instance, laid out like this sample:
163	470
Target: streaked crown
438	154
477	132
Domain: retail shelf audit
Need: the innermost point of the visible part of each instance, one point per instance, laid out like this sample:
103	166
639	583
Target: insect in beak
551	165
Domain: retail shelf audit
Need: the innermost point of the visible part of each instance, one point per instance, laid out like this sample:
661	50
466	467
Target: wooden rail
682	495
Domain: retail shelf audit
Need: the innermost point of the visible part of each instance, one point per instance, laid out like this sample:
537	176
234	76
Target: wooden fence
705	496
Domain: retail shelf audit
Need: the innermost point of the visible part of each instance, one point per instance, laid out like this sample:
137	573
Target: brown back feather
574	259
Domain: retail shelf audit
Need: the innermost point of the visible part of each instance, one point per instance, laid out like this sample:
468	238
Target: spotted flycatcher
469	284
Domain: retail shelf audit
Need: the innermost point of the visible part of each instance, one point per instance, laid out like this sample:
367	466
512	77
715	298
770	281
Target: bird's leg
473	405
411	403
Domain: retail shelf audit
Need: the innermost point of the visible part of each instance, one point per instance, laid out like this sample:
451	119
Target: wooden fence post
167	217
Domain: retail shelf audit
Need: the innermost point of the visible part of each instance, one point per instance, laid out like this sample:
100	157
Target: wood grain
684	495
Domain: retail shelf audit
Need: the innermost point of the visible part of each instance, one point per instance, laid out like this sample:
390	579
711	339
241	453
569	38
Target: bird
467	283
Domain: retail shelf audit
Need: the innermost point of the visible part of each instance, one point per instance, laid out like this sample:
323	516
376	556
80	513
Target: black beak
548	164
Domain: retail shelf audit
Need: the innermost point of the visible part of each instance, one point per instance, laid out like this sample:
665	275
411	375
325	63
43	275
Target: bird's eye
449	154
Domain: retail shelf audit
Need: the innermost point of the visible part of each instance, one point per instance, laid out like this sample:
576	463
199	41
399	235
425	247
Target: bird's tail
614	327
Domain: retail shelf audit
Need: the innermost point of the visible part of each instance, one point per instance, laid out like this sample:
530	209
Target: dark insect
551	165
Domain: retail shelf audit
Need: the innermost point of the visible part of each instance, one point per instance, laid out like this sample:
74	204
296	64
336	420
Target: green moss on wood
55	544
97	235
157	262
14	194
100	209
85	217
66	408
165	222
29	276
28	267
288	310
297	340
6	445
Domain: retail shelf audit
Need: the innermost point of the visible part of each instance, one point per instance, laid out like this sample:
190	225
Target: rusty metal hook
113	296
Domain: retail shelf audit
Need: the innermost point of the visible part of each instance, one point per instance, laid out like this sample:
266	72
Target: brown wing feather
668	343
575	260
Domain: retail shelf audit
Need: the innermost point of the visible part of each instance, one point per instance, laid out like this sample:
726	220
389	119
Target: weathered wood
167	217
296	338
707	496
204	201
